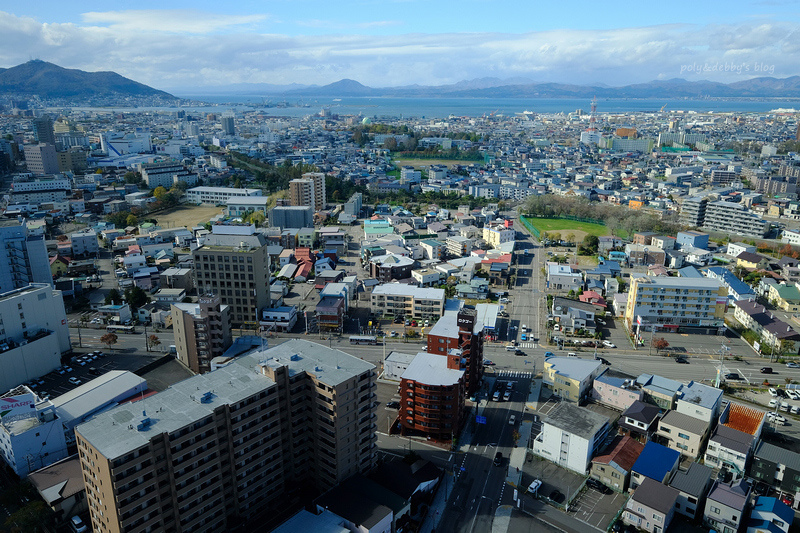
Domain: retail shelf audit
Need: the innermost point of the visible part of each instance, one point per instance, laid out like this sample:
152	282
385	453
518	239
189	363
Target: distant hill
51	81
494	88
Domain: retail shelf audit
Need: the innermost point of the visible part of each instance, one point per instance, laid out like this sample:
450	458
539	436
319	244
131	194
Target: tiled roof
624	452
744	419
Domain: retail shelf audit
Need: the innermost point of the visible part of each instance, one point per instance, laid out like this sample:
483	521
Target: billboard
21	404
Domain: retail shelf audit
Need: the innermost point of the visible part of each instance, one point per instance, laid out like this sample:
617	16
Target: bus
363	339
121	329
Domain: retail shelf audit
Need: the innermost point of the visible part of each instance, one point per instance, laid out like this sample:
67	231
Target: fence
535	231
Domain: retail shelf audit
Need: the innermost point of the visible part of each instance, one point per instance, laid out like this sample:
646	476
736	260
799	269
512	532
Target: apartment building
233	263
571	436
202	331
23	256
570	378
676	304
249	442
217	195
498	234
33	333
41	158
399	299
166	174
308	190
458	246
290	216
459	338
693	211
729	217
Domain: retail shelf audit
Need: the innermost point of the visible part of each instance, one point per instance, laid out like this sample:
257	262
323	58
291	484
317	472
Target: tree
33	517
257	218
109	339
571	238
591	244
153	341
159	192
136	297
132	220
660	343
113	297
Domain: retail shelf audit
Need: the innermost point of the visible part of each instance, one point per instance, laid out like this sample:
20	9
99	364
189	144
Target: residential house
732	443
776	335
639	254
639	421
651	507
692	486
477	288
726	505
770	515
615	392
751	261
563	278
737	289
571	436
570	378
776	466
683	433
699	401
785	297
656	462
573	315
613	468
659	391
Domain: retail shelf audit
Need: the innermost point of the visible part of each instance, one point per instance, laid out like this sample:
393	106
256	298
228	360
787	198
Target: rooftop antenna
592	115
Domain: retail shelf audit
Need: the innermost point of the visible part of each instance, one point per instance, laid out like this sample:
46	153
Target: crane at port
662	108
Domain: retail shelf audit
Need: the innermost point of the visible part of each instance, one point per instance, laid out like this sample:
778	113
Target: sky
188	47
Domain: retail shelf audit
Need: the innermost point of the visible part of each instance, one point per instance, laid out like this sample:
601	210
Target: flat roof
97	393
402	289
431	369
573	367
576	420
114	432
699	394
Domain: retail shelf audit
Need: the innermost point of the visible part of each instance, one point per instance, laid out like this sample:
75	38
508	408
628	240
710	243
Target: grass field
186	216
565	227
420	163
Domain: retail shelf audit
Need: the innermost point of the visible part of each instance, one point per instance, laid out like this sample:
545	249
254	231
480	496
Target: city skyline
188	47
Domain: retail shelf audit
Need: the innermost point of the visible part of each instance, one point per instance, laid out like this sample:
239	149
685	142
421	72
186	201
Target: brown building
330	313
431	398
202	331
459	338
233	263
248	443
386	268
308	190
644	237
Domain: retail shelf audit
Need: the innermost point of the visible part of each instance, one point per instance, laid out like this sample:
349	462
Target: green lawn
560	224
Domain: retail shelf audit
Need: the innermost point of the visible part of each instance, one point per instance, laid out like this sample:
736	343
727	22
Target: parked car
773	392
534	486
488	362
597	485
773	402
74	381
393	404
792	395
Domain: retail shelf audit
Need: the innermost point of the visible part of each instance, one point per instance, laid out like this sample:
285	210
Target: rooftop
623	451
692	481
402	289
699	394
576	420
732	495
778	455
744	419
656	461
572	367
685	422
655	495
431	369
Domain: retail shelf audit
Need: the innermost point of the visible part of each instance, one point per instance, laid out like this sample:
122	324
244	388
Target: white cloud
180	50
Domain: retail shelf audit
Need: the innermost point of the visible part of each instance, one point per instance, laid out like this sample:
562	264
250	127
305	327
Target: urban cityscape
415	310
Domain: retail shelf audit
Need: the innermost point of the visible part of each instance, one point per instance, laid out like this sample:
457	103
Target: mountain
51	81
495	88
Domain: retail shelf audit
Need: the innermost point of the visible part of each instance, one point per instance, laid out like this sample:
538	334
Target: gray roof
733	496
684	422
655	495
699	394
732	439
574	367
693	481
114	432
576	420
446	326
778	455
431	369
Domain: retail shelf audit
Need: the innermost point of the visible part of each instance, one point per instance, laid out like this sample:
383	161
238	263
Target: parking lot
595	508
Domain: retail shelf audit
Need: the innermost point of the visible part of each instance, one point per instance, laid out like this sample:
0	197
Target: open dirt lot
186	216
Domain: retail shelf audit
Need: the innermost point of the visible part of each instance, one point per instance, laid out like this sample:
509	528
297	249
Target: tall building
249	442
23	256
233	263
33	333
41	158
459	338
289	216
202	331
43	130
309	190
228	125
693	211
676	304
729	217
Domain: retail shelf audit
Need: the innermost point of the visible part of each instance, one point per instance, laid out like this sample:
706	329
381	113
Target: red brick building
460	339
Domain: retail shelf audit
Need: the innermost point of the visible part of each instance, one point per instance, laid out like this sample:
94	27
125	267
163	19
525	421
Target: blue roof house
737	289
770	515
656	462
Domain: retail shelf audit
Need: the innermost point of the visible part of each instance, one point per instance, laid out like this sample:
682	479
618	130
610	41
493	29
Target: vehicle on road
510	347
682	360
609	344
523	337
519	352
766	370
604	361
498	459
733	376
363	339
792	365
488	362
512	420
572	354
548	354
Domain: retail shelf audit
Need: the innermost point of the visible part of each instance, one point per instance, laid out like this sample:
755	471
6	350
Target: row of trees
617	219
270	177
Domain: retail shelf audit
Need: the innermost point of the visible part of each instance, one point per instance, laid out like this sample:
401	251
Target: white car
512	420
773	402
534	486
75	381
773	392
524	328
792	394
609	344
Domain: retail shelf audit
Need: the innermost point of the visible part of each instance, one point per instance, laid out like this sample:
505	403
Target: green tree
136	297
34	517
132	220
257	218
113	297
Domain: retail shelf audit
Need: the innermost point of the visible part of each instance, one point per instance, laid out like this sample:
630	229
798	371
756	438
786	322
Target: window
684	436
714	510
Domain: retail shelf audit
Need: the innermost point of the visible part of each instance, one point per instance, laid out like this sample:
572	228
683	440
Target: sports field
186	216
565	227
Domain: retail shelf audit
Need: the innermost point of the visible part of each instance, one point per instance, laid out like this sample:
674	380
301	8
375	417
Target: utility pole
146	343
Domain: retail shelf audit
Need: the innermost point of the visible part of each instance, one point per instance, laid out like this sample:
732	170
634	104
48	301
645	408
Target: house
683	433
692	486
751	261
776	466
656	462
639	254
61	487
785	297
775	334
563	278
699	401
477	288
737	289
732	443
615	392
770	515
658	390
726	505
613	468
639	420
573	315
651	507
570	378
571	436
361	503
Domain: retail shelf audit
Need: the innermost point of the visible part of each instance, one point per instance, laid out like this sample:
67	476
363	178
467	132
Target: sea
383	107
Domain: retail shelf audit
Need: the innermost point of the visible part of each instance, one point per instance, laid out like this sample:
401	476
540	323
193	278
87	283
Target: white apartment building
217	195
33	333
458	246
23	257
400	299
571	436
674	303
729	217
84	243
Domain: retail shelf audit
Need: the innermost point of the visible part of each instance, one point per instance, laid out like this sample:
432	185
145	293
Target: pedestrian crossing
513	374
529	345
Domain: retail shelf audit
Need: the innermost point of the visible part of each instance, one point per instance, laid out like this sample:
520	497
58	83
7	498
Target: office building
308	190
41	158
23	256
290	216
233	263
459	338
686	305
31	435
400	299
228	125
43	130
432	397
202	331
247	443
33	333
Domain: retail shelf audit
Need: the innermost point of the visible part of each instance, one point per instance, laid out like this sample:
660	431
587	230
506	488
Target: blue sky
186	46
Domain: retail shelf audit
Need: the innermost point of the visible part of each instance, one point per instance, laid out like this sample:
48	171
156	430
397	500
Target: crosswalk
514	374
529	345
